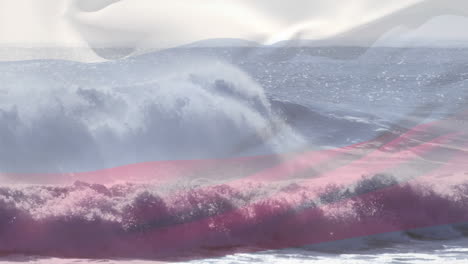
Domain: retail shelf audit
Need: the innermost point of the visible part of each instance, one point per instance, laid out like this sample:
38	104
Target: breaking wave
206	218
60	116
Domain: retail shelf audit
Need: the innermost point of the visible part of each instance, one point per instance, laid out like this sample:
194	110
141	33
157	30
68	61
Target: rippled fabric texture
237	131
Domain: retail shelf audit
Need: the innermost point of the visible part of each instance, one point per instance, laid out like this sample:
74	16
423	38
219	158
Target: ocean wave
209	218
60	116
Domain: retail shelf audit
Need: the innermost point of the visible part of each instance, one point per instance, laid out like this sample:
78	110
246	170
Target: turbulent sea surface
237	155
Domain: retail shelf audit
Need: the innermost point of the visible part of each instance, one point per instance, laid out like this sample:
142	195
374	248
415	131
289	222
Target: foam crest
206	110
144	220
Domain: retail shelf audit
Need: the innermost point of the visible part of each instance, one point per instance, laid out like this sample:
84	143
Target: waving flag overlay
182	131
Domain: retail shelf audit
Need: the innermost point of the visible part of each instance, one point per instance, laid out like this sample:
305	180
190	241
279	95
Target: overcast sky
149	24
171	22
